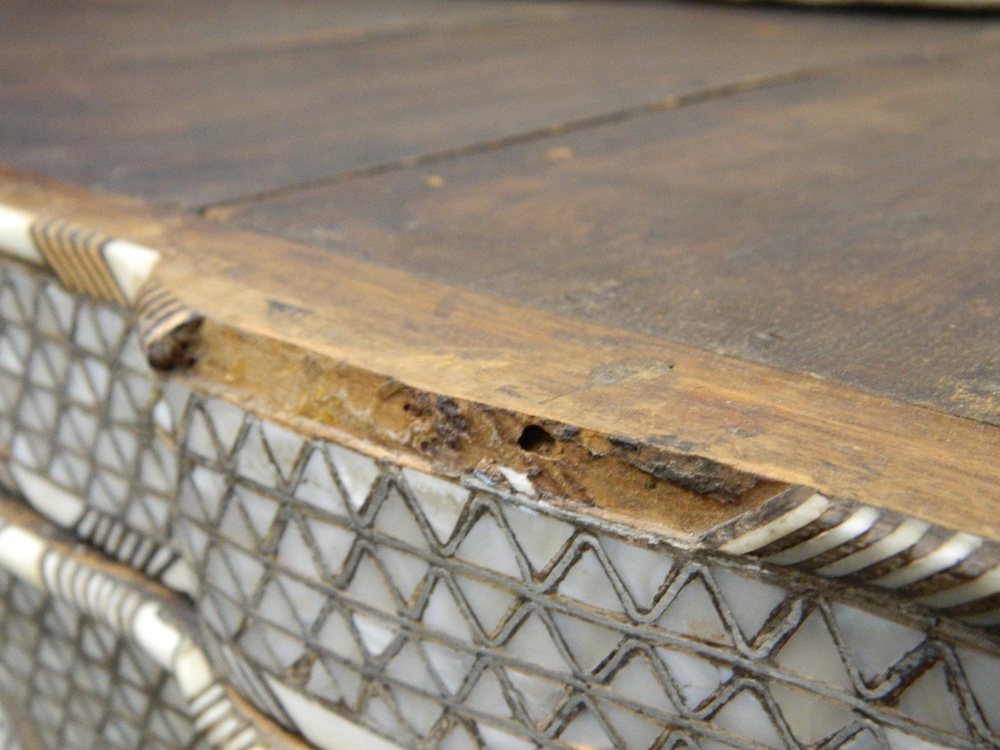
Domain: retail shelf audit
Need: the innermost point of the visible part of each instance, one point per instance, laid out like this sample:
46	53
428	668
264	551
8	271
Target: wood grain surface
846	227
232	119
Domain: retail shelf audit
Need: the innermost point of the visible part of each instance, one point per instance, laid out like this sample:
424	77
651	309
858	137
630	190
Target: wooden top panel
232	117
846	226
96	33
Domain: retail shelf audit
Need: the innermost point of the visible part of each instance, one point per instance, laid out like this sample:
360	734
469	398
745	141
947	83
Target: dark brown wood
96	33
230	117
846	227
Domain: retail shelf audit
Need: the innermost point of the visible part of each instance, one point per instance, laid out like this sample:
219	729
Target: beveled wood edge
661	435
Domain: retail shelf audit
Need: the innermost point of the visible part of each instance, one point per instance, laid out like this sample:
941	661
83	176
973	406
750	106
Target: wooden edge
661	435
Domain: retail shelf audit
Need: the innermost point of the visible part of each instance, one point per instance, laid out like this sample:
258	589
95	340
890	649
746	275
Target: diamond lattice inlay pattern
78	685
8	734
452	615
76	403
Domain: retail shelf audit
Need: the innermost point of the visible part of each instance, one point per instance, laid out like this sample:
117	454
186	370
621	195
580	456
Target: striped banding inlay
84	260
110	535
133	548
102	596
955	573
165	325
76	255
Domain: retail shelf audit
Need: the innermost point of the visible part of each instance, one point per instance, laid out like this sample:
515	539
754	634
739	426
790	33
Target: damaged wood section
453	380
639	484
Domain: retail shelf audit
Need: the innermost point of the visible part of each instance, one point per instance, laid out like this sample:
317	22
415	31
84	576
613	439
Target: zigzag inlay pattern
451	615
77	398
80	684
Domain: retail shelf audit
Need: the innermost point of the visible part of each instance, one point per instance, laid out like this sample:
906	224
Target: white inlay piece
498	739
793	520
751	601
487	546
419	712
533	644
518	481
589	643
284	445
318	487
49	499
810	718
459	739
130	264
635	731
946	556
177	397
333	543
487	695
199	437
899	741
157	638
324	728
21	553
180	577
745	716
811	652
539	694
981	671
253	460
692	612
855	525
375	634
873	643
902	537
978	588
356	472
191	668
488	603
226	418
930	700
441	501
410	668
638	682
588	582
587	730
642	570
369	586
406	571
295	553
539	536
15	235
450	665
443	614
696	678
336	636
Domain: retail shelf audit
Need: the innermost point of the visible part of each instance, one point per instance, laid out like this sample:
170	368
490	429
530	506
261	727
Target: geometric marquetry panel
444	614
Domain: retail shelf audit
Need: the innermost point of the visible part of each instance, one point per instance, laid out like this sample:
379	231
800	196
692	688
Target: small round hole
536	439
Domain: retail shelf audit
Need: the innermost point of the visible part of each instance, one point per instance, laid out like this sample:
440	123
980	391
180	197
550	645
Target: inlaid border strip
957	574
103	597
105	268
